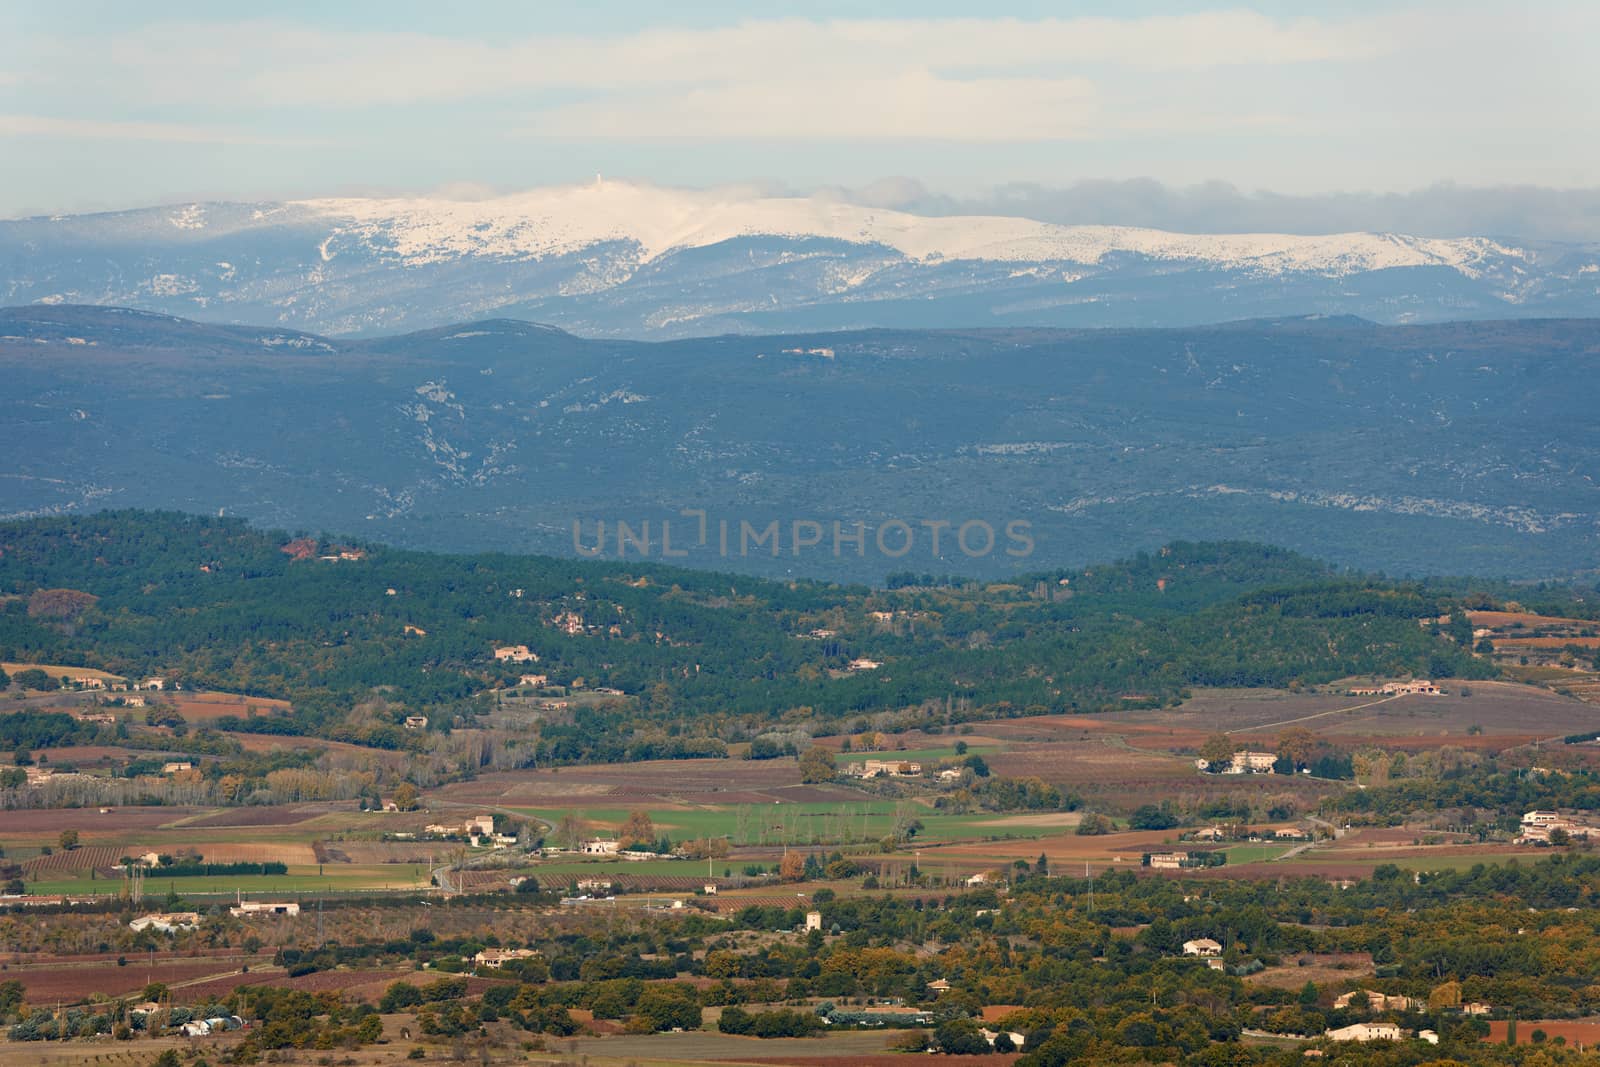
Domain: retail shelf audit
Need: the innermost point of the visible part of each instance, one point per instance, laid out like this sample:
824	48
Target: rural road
1322	714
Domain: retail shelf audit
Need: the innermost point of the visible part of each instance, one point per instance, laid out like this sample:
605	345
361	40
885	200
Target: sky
1188	112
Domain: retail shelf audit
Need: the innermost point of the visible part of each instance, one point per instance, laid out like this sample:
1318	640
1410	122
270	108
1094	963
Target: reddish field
286	815
1499	620
735	903
1507	714
222	985
358	985
79	859
1110	776
71	982
1580	1033
682	782
199	707
89	822
586	1019
193	978
1062	850
323	981
1500	708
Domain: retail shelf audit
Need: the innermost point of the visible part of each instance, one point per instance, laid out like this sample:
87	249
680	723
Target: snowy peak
625	260
658	221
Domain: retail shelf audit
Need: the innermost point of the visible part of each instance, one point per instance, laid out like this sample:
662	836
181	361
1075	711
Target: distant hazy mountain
1444	448
620	260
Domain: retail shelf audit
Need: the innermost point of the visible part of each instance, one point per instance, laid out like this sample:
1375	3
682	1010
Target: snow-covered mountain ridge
659	221
625	260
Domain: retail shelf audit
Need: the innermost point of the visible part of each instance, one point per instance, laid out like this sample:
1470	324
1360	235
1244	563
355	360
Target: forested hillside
1421	450
683	657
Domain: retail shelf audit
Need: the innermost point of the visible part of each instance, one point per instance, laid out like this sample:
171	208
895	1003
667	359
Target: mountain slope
709	657
616	259
1466	448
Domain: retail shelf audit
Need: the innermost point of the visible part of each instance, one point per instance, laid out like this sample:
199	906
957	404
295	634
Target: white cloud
1388	98
96	129
271	64
967	79
914	105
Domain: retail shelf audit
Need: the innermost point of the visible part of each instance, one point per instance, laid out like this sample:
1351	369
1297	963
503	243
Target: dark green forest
698	656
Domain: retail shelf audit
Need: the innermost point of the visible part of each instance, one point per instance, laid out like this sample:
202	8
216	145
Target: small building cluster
103	683
1173	861
1017	1038
1538	826
1375	1001
478	830
1245	833
871	768
246	908
166	922
1244	762
1365	1032
499	957
1416	687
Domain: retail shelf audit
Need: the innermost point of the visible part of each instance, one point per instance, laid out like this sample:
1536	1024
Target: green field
595	868
300	879
861	822
1238	854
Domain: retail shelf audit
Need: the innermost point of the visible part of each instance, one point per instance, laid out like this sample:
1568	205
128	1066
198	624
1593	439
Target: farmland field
78	859
71	980
58	671
1241	854
1506	620
1321	968
204	705
281	815
1579	1033
859	822
689	782
919	755
301	879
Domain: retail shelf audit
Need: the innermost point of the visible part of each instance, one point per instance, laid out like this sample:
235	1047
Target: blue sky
106	105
